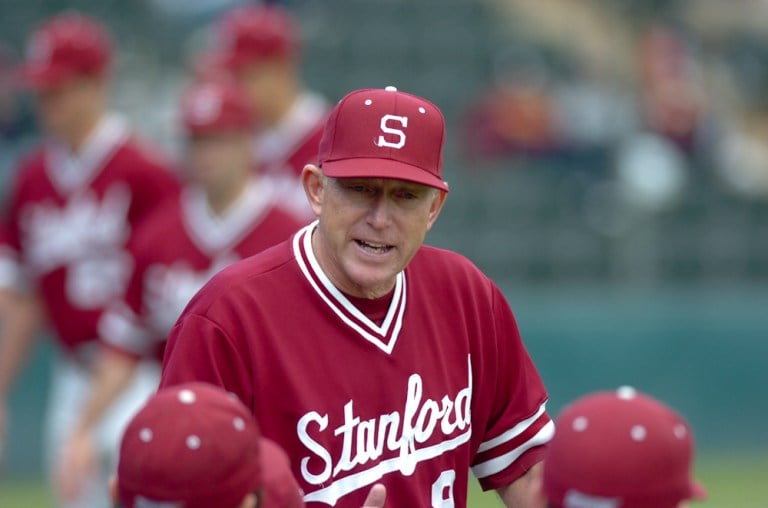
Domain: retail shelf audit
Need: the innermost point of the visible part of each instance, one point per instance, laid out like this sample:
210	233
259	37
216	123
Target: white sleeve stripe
513	432
500	463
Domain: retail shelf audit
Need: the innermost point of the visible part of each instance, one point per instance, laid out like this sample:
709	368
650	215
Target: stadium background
632	252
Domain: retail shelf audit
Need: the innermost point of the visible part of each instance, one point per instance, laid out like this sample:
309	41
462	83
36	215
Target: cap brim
364	167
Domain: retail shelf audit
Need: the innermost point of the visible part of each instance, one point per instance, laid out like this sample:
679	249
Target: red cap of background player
620	449
216	106
252	33
191	444
384	134
66	46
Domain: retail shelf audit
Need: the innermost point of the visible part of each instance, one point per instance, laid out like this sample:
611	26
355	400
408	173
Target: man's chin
374	285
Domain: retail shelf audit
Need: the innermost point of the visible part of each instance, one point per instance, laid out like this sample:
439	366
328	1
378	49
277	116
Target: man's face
219	161
262	81
59	108
370	228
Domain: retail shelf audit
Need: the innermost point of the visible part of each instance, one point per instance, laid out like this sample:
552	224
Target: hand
376	497
78	461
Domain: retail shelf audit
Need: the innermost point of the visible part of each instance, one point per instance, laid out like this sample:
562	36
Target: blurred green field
733	482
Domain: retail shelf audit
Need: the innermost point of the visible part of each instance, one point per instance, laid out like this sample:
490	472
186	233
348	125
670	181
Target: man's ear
314	186
434	209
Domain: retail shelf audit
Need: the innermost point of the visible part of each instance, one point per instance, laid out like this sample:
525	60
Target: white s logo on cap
391	130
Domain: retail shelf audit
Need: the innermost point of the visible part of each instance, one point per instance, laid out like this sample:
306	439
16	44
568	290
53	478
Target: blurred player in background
365	355
74	204
195	445
620	449
226	212
259	46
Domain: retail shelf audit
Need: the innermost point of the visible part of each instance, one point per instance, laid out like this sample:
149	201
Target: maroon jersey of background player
178	250
70	220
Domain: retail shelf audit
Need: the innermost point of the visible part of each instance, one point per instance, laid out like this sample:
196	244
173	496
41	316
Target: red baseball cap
192	444
216	106
280	488
620	449
252	33
65	46
375	133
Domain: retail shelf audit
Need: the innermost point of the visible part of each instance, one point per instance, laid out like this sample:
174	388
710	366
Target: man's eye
408	195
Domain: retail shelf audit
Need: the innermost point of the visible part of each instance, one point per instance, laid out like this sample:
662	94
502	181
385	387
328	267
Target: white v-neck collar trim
68	171
340	304
213	233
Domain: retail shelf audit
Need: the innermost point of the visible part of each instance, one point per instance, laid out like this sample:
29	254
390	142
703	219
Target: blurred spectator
516	115
672	104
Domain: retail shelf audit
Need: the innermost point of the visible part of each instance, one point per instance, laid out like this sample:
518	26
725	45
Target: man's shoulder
449	277
443	264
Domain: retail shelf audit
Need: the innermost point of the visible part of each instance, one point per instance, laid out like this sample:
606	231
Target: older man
367	356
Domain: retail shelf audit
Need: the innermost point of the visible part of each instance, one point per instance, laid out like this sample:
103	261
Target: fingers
376	497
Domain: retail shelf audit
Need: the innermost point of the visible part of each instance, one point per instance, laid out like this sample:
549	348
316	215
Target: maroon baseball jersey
177	251
437	382
71	217
293	143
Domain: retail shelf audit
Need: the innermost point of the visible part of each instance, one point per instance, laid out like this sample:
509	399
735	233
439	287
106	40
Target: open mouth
374	248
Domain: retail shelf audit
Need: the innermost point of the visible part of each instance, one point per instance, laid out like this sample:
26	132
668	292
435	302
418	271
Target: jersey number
442	490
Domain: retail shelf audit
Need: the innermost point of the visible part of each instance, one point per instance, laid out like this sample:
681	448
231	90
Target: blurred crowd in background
609	141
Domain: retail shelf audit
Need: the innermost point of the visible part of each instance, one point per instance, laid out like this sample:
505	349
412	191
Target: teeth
378	248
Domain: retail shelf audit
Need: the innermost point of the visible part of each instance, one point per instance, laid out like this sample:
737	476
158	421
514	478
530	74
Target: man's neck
282	105
222	200
77	138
